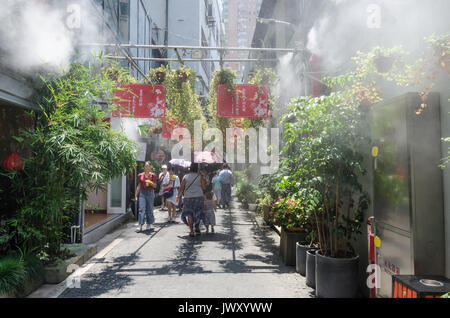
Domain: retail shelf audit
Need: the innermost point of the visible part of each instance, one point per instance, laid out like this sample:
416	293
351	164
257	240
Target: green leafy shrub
282	214
12	274
323	157
292	213
246	192
71	151
16	269
264	202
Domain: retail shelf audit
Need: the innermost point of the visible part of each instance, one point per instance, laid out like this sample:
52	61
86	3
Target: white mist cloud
289	83
349	25
34	36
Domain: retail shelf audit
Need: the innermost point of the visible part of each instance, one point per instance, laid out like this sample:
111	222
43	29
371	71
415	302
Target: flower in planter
288	214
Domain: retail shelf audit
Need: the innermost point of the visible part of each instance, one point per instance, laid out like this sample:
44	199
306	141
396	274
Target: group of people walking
199	194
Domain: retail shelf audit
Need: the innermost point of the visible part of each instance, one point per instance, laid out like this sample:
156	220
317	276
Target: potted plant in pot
246	192
159	74
326	143
306	204
251	199
385	59
264	206
286	214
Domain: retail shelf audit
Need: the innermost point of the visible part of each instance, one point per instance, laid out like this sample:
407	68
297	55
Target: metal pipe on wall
207	48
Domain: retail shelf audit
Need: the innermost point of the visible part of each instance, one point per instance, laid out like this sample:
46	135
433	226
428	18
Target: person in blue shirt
217	187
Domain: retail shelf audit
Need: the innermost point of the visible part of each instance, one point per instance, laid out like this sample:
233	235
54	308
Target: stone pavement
240	260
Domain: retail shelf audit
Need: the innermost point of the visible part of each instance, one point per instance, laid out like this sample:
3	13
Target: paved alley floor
240	260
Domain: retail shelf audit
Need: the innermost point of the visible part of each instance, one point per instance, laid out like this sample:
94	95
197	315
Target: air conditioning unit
211	19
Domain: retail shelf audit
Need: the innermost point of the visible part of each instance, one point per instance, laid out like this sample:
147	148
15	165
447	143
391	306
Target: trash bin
419	286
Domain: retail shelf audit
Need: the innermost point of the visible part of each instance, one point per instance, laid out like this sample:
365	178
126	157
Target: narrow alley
239	260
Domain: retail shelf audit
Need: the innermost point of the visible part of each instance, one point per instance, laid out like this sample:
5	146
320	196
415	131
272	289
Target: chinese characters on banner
247	102
140	101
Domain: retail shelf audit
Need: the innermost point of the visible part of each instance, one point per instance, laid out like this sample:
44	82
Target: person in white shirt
171	185
161	179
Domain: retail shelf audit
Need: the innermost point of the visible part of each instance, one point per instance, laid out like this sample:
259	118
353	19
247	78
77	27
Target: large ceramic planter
300	265
336	277
311	267
288	241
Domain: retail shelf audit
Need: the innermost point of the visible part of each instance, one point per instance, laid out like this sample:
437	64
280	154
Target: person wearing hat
163	178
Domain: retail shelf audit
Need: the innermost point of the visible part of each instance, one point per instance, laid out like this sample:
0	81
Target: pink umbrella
207	157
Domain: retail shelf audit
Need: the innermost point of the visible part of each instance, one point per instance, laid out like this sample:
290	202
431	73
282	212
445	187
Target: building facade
196	23
240	21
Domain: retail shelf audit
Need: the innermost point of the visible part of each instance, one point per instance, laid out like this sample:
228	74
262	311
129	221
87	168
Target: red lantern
13	162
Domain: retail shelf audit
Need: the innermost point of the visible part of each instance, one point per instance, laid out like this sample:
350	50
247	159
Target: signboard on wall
247	101
140	101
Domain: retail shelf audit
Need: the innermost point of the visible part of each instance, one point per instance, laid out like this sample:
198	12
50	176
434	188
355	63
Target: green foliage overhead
225	76
182	101
261	76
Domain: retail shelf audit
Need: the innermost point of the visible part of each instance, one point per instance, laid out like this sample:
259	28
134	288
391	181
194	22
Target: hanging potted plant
388	61
160	77
159	74
383	59
222	76
182	75
156	130
384	63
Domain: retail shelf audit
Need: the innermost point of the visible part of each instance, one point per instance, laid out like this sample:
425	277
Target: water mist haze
37	37
352	25
341	28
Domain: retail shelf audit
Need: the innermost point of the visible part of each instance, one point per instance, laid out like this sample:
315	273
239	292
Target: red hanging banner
248	101
140	101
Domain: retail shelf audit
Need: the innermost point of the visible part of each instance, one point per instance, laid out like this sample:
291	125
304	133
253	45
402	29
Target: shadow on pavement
119	274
